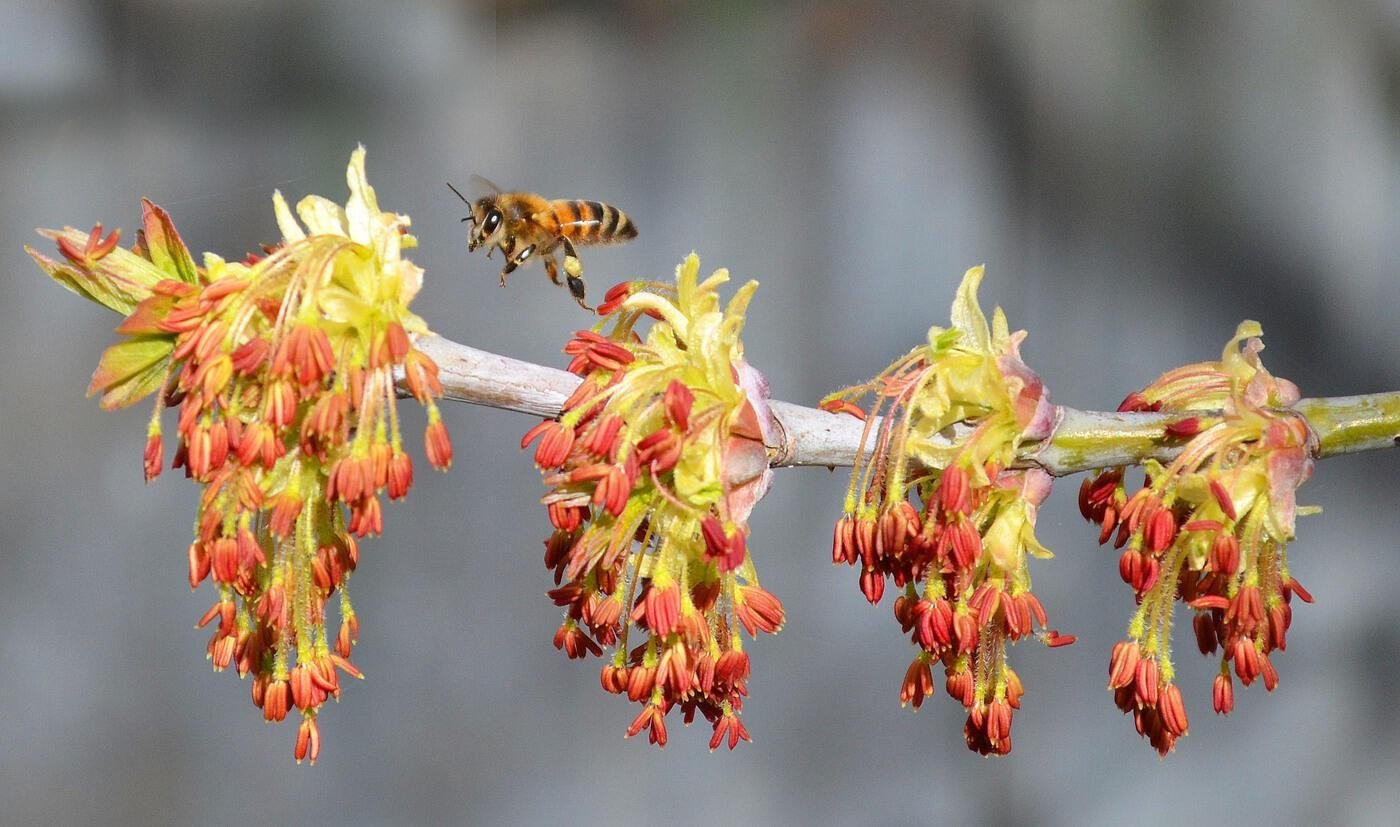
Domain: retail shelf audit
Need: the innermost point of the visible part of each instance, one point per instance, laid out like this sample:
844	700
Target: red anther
276	701
1160	530
1145	683
601	440
662	608
961	687
917	684
308	740
1223	498
731	728
726	551
1294	587
843	546
556	441
864	534
95	248
199	564
1202	526
1173	710
966	544
935	624
1278	628
1122	666
400	478
1211	601
843	406
1204	627
1224	557
678	401
650	718
998	724
421	374
572	641
1184	428
1246	659
872	585
437	444
615	297
965	630
397	340
1223	694
953	490
758	610
1110	522
1037	610
1266	670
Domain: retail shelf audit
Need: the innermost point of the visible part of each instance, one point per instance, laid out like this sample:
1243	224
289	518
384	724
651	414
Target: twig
1081	440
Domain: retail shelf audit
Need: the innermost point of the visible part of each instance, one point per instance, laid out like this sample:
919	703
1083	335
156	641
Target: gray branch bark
1081	440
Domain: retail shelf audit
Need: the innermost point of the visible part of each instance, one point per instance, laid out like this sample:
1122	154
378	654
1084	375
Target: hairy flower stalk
936	508
654	466
1209	529
282	370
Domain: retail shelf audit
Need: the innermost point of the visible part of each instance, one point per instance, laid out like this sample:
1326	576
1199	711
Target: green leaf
131	370
164	245
118	281
145	319
134	389
697	477
967	313
940	339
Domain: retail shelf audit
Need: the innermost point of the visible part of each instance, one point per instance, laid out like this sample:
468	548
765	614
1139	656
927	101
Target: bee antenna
459	194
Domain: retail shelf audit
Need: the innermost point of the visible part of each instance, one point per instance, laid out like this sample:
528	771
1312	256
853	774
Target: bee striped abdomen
593	222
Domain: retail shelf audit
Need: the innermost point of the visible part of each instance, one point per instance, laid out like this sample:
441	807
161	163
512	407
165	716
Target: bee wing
481	187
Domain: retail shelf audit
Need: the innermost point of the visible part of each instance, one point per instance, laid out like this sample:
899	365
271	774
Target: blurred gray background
1138	177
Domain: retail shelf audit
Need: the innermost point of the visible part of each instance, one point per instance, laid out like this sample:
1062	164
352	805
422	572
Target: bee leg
576	287
511	263
572	265
551	268
573	273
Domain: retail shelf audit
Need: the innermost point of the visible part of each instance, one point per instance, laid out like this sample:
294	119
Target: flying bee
527	226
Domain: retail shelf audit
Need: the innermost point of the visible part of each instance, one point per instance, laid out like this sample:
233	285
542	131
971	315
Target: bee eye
493	220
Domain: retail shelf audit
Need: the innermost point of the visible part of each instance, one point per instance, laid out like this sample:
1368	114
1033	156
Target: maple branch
1080	441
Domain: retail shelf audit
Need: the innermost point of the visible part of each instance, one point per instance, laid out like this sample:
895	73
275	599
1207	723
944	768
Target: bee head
486	220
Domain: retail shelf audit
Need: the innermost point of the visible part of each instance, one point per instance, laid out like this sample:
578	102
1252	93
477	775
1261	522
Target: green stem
1081	441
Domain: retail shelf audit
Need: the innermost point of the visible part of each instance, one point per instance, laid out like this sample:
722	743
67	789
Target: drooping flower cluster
937	508
1210	529
654	466
282	371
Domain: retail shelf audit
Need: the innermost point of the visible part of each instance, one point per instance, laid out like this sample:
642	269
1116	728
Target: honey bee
527	226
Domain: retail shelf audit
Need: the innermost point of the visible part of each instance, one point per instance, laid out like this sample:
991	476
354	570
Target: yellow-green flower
282	367
937	508
1209	528
654	466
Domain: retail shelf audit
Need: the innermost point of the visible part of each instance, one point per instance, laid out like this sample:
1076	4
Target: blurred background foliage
1138	176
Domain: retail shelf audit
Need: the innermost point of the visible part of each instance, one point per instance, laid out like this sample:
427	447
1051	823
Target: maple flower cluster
937	509
653	467
1208	529
282	369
